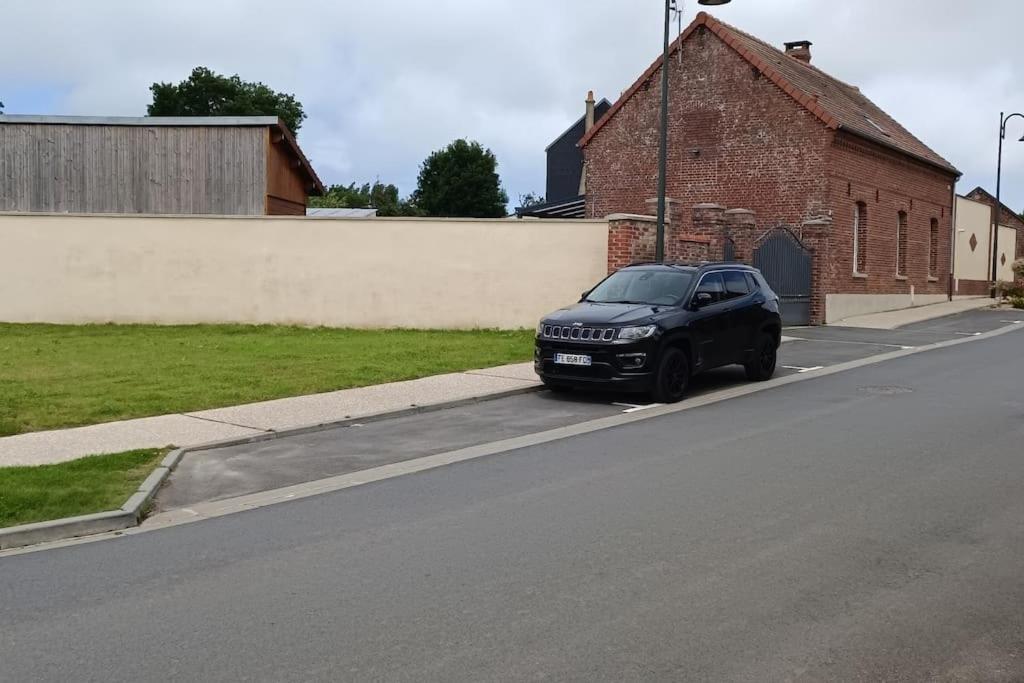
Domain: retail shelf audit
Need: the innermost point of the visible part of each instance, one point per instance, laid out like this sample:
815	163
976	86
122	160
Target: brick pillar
709	222
817	236
741	227
631	239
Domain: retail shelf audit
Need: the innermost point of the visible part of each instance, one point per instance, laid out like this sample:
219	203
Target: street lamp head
713	3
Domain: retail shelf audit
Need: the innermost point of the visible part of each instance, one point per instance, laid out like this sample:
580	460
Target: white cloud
384	84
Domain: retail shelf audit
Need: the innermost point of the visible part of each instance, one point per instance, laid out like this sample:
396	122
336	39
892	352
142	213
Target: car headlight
634	333
540	328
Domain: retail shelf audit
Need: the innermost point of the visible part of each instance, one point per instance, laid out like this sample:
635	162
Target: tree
379	196
1	107
460	180
205	93
530	199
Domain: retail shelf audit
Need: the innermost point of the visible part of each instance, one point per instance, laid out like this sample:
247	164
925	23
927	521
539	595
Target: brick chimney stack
590	112
800	49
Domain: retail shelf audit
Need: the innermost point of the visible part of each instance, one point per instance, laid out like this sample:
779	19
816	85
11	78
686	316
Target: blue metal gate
786	265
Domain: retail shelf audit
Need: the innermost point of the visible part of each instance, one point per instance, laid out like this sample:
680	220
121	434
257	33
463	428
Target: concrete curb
365	419
134	509
130	514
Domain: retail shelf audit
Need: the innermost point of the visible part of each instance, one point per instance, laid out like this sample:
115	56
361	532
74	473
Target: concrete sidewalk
189	429
890	320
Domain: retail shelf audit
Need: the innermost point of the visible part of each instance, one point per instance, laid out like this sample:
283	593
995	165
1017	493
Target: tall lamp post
659	249
998	210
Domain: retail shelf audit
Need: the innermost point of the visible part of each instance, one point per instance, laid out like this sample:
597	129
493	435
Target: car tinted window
714	285
659	287
752	282
736	284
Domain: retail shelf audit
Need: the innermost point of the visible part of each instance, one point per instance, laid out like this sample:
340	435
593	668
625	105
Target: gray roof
342	213
180	121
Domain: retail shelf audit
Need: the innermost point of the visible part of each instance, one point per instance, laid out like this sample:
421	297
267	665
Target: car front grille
571	332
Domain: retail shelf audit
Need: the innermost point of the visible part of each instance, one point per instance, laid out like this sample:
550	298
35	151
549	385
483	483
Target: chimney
590	111
800	49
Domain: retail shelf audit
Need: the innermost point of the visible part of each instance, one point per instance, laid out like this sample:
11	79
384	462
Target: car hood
603	314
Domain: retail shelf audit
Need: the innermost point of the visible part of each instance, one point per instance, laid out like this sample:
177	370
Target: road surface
866	525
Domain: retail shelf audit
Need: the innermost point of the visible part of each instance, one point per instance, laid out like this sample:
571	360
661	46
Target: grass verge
79	487
54	376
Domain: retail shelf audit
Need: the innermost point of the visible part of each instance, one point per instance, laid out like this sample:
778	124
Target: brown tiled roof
836	104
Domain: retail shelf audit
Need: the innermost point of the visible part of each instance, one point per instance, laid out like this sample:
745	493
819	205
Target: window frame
859	245
902	243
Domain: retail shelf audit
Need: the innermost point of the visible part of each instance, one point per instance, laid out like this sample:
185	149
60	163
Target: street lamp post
659	247
998	210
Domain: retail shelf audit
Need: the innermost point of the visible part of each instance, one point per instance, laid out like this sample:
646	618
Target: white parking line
803	370
634	408
861	343
968	334
1013	322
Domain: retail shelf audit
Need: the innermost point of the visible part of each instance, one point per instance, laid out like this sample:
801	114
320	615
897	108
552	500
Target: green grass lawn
65	375
79	487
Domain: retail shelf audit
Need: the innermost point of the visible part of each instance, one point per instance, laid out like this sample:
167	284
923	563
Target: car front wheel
761	365
672	377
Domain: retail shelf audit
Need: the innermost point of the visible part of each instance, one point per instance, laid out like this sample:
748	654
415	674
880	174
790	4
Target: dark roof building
759	128
563	190
228	165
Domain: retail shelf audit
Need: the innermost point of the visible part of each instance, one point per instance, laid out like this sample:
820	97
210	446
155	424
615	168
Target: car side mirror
702	299
584	295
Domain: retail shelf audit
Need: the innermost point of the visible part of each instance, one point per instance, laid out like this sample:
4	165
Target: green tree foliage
460	180
205	93
530	199
378	196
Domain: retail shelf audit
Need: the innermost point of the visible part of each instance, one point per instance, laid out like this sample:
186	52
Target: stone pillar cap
739	211
708	206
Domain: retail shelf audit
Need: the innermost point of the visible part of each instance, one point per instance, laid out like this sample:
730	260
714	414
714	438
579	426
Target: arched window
860	238
933	248
901	244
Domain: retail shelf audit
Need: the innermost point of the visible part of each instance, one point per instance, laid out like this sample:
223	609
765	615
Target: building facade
153	165
757	128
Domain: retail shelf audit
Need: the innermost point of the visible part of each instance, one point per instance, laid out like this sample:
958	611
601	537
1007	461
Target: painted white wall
1007	247
973	218
841	306
418	273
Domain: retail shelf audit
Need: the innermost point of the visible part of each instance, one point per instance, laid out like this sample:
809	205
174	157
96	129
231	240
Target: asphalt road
222	473
867	525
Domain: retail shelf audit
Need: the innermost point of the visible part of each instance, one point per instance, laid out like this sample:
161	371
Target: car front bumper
612	365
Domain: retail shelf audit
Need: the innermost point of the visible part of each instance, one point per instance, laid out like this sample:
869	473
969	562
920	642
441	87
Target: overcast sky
386	83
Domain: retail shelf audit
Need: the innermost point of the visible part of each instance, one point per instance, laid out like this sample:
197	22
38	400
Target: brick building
756	128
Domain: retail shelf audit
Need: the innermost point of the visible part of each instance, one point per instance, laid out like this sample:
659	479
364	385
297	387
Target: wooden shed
225	165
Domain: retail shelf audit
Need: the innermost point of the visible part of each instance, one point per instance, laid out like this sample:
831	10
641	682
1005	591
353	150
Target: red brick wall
887	183
633	239
758	148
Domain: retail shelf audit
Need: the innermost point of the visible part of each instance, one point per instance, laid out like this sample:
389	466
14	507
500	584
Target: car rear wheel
761	365
672	377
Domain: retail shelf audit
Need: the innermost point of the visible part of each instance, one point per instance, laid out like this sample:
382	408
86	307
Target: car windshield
655	287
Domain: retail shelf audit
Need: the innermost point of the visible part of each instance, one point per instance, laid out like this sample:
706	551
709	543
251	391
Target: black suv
649	327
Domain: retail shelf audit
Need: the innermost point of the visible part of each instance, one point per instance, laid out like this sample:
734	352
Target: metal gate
729	250
786	264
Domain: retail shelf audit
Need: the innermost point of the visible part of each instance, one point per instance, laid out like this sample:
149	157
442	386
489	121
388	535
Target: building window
933	248
860	238
901	245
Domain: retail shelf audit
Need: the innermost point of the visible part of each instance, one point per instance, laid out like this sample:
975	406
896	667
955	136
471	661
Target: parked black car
650	327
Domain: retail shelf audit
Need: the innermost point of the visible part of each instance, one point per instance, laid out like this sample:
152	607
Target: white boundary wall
381	272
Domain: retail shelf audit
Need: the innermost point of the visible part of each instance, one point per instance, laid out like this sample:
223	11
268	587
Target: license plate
572	359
